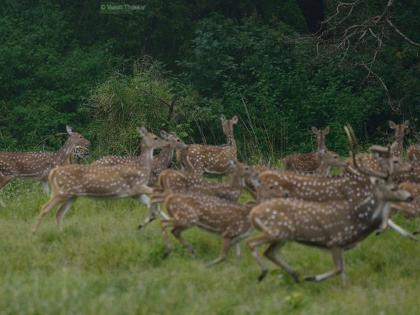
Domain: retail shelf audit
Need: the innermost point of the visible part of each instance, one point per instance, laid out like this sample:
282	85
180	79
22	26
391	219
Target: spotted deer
37	165
400	130
413	152
161	161
211	159
336	226
224	217
354	185
314	162
119	181
410	209
173	181
216	215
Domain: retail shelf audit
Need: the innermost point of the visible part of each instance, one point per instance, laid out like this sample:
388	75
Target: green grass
101	264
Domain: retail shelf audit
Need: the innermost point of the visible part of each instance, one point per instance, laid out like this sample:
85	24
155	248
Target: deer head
400	130
320	135
173	140
78	142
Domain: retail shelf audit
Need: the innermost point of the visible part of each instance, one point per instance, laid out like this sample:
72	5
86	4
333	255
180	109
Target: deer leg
238	249
176	231
46	187
402	231
3	182
165	225
62	211
154	211
253	244
144	199
337	254
270	253
227	243
55	201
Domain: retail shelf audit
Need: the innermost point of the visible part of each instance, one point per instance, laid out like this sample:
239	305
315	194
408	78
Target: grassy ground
100	264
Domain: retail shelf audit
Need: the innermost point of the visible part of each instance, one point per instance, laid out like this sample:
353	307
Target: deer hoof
166	253
310	279
296	277
262	275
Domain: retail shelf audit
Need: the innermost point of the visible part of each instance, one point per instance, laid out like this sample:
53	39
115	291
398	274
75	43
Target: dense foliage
179	65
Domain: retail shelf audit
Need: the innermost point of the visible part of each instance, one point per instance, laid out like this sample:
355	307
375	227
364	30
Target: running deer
213	214
354	185
161	161
400	130
336	225
119	181
37	165
225	218
309	162
211	158
172	181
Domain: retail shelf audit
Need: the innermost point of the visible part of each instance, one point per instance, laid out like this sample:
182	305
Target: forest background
281	66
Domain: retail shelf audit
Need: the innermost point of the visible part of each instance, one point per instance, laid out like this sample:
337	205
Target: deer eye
178	140
396	162
155	138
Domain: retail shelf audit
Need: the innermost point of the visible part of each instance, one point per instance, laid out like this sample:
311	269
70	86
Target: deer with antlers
119	181
161	161
211	159
37	165
354	185
333	225
318	162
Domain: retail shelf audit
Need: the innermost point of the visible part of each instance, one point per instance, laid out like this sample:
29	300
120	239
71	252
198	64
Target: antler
352	145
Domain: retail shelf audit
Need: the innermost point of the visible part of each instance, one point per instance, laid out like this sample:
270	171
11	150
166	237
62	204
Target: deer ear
222	118
142	131
69	130
164	134
407	123
392	125
234	119
326	130
315	130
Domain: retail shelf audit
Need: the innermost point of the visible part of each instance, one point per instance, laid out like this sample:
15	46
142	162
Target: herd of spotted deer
301	203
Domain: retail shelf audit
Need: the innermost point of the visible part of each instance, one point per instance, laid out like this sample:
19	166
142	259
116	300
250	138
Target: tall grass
101	264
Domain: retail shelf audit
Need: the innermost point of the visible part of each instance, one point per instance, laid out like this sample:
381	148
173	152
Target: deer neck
146	157
64	154
165	156
323	168
238	182
397	146
231	140
322	148
372	212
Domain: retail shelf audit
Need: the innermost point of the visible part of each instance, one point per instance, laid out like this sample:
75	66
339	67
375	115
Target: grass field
101	264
